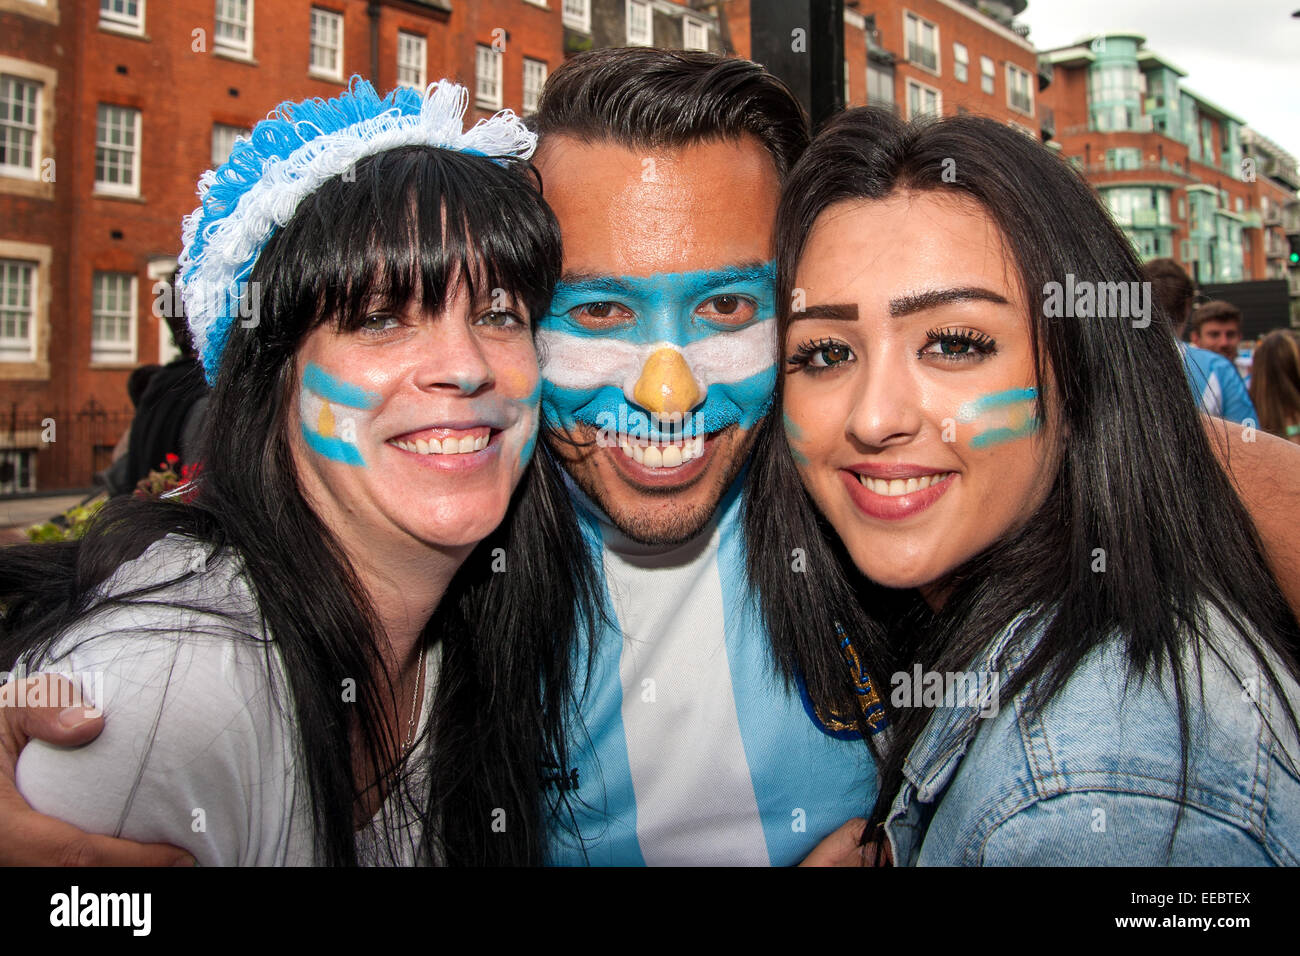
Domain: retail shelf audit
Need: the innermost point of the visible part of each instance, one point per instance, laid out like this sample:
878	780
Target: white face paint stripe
585	363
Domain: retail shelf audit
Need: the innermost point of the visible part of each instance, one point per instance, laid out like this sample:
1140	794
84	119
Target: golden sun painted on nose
666	385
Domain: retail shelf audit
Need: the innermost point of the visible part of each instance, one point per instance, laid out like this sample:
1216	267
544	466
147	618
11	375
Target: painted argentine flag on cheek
331	411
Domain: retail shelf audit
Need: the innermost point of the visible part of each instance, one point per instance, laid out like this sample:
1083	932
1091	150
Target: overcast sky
1242	54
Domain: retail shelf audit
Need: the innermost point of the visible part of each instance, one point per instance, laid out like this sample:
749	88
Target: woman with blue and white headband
361	280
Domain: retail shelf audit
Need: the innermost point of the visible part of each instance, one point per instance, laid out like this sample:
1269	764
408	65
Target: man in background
1213	379
1216	327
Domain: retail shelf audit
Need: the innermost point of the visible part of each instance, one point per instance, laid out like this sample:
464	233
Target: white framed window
923	100
412	59
20	127
117	151
223	141
1020	96
112	319
326	58
487	77
534	80
988	74
576	15
960	63
126	16
17	310
922	39
234	33
880	86
639	20
695	35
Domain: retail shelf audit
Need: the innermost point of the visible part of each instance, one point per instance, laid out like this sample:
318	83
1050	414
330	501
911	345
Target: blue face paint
324	405
530	402
1016	421
336	390
793	434
592	376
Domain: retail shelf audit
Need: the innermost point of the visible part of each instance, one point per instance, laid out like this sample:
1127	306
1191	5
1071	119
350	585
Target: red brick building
109	112
937	57
1183	177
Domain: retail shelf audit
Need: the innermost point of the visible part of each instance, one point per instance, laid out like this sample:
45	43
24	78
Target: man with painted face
658	362
664	170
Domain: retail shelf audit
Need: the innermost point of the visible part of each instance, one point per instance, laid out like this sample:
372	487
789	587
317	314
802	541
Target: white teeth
663	456
447	446
901	486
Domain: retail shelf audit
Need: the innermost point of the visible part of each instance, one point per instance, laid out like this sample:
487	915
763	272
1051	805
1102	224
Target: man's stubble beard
676	528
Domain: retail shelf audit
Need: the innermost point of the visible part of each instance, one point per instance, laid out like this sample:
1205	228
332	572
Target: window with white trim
576	15
695	35
923	100
126	16
412	59
234	33
639	19
534	80
117	150
922	40
223	141
988	74
20	131
112	319
1020	96
960	63
326	58
17	310
487	77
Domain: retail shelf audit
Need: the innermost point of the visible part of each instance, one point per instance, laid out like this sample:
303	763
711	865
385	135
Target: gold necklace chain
415	700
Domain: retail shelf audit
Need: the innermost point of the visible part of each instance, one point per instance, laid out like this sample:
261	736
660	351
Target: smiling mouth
897	487
665	455
445	441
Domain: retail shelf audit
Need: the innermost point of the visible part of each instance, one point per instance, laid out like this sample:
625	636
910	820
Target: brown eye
600	310
733	310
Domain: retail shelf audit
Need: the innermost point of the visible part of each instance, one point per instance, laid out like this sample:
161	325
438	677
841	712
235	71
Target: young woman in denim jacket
1063	606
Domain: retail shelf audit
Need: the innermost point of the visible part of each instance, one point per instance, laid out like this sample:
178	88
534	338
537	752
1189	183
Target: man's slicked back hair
647	98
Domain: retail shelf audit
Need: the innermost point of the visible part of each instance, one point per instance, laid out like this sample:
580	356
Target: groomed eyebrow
846	313
937	297
756	271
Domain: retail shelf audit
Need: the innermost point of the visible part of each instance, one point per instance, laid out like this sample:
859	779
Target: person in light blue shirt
1216	385
1082	661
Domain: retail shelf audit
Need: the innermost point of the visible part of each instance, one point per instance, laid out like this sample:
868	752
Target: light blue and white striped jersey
1216	384
694	751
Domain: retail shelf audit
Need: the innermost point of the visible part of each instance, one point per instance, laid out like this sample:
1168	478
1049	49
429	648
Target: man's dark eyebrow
937	297
845	313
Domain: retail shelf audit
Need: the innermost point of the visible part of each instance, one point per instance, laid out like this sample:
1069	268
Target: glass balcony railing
923	55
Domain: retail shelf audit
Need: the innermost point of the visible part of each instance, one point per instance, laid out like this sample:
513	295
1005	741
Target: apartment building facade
1172	165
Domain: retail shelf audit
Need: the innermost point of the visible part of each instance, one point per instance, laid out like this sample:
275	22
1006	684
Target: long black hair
1137	475
403	224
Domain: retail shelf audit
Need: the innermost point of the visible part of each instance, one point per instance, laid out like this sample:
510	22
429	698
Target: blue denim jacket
1093	778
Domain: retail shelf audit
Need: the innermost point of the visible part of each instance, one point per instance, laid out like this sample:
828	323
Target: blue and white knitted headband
288	156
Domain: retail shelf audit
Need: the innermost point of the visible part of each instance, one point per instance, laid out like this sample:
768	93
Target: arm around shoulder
189	751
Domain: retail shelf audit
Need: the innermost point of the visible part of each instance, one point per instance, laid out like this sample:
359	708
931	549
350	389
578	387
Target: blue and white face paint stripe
666	372
330	408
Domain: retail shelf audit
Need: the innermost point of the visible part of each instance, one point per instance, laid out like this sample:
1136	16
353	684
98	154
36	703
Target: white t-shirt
200	748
